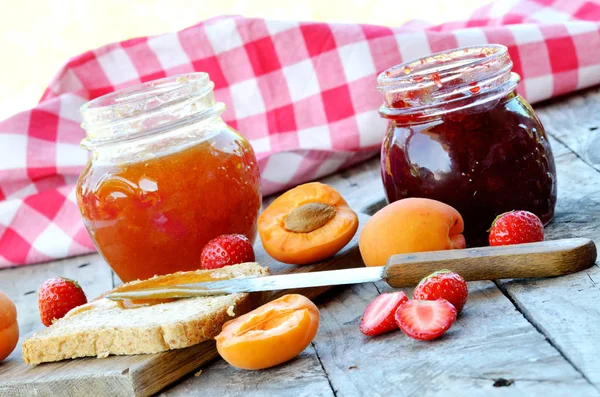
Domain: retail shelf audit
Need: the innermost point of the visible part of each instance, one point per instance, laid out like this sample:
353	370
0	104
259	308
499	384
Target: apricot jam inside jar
165	176
459	133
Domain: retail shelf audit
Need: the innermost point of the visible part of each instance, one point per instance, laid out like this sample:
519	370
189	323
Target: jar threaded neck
447	81
149	108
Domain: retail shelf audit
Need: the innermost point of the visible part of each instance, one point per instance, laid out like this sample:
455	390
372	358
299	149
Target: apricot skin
270	335
9	329
410	225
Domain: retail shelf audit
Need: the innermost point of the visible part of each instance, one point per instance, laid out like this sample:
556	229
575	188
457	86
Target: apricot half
9	329
306	224
410	225
270	335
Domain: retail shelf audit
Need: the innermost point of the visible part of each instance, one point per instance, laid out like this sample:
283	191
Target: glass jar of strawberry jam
165	176
459	133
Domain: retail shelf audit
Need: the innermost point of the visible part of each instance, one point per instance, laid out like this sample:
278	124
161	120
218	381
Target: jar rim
447	81
148	108
448	59
139	92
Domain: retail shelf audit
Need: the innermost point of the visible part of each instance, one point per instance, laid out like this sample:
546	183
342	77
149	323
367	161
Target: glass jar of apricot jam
165	176
459	133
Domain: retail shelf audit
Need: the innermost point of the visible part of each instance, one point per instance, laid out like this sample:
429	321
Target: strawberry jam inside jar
165	176
459	133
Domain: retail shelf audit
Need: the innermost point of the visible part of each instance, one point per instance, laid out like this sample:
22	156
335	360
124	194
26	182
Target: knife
543	259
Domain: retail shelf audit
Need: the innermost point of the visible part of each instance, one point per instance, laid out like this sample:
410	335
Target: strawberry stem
69	280
498	217
435	274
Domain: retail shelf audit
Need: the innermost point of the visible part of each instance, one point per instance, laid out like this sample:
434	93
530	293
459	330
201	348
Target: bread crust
111	330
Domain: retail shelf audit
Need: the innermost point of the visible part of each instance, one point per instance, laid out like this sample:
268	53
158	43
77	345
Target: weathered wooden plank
146	374
301	377
566	309
98	278
500	344
546	373
309	378
539	368
360	186
21	285
490	342
570	325
139	375
575	121
362	189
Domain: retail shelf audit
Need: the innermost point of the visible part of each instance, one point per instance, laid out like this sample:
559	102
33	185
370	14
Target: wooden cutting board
144	375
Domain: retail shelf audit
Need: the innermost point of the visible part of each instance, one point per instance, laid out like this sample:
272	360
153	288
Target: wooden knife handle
543	259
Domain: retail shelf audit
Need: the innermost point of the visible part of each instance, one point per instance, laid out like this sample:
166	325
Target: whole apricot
9	329
410	225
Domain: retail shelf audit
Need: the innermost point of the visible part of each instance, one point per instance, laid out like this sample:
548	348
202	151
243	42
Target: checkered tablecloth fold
302	93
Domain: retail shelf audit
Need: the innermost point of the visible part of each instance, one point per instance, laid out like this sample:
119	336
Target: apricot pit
308	217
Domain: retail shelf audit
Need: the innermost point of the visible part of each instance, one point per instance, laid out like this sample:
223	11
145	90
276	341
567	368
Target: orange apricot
9	328
410	225
270	335
306	224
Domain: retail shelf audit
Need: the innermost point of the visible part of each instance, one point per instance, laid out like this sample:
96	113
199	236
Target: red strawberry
443	284
378	317
516	227
226	250
425	320
57	296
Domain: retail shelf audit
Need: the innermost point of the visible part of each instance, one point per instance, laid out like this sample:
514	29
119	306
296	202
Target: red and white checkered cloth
302	93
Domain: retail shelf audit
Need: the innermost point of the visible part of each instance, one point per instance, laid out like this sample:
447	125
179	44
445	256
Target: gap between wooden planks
574	121
565	309
324	377
543	314
142	375
21	283
491	345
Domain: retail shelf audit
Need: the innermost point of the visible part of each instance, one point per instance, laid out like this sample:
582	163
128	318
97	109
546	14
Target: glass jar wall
459	133
165	176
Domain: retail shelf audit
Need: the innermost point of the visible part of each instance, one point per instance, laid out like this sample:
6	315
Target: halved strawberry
378	317
425	320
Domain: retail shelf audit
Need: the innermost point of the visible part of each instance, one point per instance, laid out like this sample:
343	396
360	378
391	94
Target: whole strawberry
443	284
226	250
516	227
56	297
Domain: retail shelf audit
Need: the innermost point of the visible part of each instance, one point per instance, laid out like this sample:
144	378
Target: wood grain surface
565	309
515	337
141	375
574	121
489	342
542	259
526	338
21	285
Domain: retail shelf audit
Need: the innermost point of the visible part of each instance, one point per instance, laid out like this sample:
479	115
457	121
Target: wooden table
515	337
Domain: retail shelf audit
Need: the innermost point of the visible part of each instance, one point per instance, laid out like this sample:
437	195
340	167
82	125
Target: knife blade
257	284
543	259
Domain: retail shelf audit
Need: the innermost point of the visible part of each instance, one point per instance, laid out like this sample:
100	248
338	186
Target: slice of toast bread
103	327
